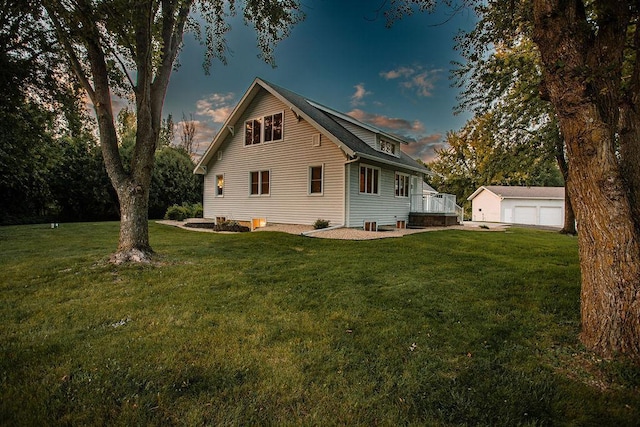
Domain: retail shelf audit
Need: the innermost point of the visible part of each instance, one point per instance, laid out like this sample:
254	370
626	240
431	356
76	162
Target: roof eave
396	164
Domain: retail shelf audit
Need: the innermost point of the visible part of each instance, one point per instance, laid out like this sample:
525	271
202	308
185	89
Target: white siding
288	161
384	208
362	133
486	207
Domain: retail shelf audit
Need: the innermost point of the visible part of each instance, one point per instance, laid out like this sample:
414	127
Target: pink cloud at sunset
424	148
385	122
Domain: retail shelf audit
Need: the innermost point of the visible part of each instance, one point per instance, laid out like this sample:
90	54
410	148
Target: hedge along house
518	205
282	158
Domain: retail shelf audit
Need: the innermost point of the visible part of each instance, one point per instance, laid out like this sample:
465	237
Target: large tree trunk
133	245
584	95
608	241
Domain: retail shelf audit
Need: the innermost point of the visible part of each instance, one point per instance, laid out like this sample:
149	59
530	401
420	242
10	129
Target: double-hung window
263	129
259	183
402	185
369	180
315	180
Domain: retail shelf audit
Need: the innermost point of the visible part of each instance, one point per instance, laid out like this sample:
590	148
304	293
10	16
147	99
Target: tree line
62	178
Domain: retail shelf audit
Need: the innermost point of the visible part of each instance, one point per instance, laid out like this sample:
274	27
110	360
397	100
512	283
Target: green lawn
439	328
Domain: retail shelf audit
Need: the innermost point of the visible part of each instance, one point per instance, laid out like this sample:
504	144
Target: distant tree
79	182
130	47
167	132
483	153
38	104
506	82
188	134
173	181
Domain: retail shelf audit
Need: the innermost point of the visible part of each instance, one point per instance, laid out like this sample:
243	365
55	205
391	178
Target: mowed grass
438	328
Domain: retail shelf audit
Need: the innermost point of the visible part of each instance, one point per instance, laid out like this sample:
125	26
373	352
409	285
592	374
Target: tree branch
73	58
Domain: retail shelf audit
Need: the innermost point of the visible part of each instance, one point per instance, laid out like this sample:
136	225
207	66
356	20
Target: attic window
264	129
273	127
387	147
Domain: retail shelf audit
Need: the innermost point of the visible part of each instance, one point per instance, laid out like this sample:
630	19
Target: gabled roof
516	192
321	119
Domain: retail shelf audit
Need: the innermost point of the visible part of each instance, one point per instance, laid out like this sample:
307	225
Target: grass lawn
439	328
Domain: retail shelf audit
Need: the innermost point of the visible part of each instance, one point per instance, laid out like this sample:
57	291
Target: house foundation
422	219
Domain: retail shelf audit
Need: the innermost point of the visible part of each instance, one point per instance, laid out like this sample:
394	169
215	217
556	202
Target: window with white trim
259	183
402	185
273	127
316	180
252	131
369	180
387	147
267	128
219	185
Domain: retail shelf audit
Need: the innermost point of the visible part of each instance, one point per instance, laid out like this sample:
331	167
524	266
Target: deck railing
440	203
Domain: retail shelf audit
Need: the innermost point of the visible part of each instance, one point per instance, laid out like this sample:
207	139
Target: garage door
551	216
524	215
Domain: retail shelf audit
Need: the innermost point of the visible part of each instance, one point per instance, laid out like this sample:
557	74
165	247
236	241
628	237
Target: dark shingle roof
355	144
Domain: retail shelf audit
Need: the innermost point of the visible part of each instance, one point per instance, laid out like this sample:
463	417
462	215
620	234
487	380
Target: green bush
180	213
197	211
320	223
176	213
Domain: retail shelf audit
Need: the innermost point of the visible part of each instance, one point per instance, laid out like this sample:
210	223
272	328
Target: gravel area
353	233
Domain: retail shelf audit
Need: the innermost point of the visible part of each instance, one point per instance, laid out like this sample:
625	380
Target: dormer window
387	147
264	129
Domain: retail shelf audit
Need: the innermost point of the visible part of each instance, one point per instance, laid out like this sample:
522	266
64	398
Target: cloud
216	106
425	147
361	92
400	72
421	145
416	79
390	123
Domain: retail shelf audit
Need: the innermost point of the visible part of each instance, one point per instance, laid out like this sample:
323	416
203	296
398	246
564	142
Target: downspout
347	190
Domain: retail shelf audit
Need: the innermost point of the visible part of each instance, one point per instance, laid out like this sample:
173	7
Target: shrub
320	223
177	213
180	213
197	211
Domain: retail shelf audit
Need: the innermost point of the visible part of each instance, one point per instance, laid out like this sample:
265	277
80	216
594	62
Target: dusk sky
341	56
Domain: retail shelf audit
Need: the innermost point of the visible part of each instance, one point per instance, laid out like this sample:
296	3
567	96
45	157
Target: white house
518	205
282	158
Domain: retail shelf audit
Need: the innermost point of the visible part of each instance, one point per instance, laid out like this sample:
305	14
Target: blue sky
344	57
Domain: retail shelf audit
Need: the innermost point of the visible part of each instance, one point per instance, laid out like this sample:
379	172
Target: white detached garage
518	205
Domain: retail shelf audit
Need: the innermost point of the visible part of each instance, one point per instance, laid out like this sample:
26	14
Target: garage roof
515	192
